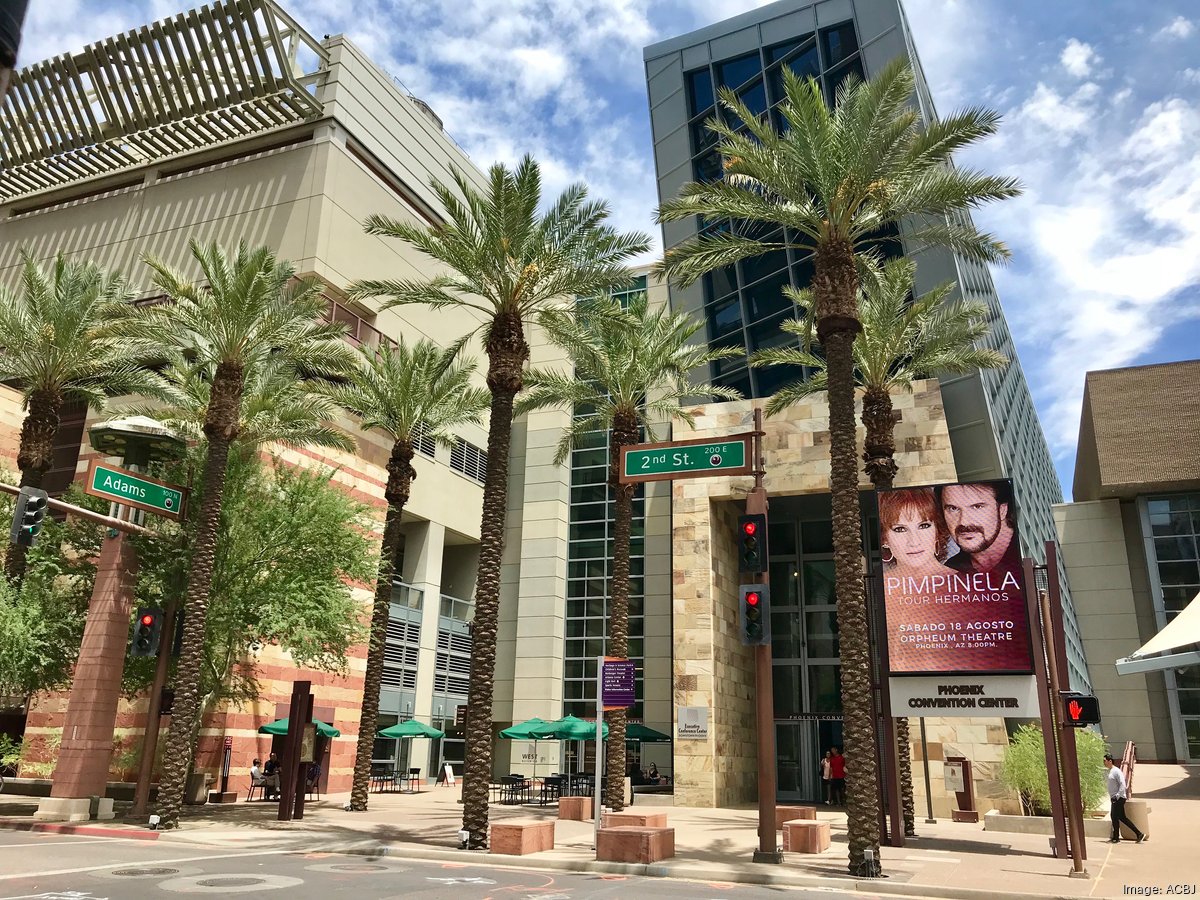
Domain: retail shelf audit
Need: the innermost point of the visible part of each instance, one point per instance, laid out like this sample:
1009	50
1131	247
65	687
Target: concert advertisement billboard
953	585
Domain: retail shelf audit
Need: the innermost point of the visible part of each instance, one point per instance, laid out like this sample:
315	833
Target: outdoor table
515	789
383	780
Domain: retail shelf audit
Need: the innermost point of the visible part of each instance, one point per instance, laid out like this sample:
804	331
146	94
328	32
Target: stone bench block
577	809
640	820
634	844
522	838
790	813
805	836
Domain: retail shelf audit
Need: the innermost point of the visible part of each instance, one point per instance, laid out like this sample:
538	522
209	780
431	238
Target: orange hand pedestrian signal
1079	710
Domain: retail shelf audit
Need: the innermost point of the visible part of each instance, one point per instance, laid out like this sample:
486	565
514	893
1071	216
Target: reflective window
839	42
805	64
700	91
834	79
736	72
766	298
755	97
759	267
725	318
709	168
703	137
718	283
739	381
772	378
779	51
769	333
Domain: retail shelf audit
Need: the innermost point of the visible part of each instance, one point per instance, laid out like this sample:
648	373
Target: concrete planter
1097	828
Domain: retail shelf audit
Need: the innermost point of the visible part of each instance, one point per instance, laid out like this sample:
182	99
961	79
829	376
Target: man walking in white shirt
1118	794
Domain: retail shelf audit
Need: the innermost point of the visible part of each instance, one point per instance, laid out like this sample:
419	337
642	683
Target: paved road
50	866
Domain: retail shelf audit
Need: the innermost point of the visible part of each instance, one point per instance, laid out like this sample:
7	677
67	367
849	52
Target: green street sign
687	459
132	489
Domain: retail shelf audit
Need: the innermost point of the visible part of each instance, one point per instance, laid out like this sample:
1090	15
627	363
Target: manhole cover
145	872
230	882
361	867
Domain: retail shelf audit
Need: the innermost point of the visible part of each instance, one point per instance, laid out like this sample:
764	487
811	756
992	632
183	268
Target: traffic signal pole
141	794
768	850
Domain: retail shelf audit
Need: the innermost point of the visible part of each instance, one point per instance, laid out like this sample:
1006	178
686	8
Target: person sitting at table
636	775
271	776
652	776
256	776
312	775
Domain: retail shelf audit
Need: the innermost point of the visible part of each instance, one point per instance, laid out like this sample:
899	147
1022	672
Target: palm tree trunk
624	434
507	353
400	476
35	455
879	463
835	285
220	427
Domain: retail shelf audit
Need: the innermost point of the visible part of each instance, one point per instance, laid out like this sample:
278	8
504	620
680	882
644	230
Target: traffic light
147	630
752	543
754	613
1079	710
28	516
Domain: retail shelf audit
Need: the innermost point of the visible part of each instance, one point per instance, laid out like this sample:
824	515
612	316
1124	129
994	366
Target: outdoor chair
414	779
312	788
255	786
551	789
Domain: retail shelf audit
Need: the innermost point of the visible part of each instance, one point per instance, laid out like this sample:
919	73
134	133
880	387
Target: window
700	91
725	318
736	72
401	650
468	459
423	443
839	42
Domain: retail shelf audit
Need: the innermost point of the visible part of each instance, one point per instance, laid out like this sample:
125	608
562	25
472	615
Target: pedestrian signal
1080	710
752	543
28	516
754	614
147	631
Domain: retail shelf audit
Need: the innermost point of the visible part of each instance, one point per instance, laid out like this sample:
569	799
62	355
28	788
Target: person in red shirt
837	781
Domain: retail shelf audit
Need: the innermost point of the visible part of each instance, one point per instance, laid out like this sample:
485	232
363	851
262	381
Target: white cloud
1064	117
1191	76
1178	29
1078	58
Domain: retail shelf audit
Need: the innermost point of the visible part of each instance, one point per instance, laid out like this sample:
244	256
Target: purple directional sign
618	683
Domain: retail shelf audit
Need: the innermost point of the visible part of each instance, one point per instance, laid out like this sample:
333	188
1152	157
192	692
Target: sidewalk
716	845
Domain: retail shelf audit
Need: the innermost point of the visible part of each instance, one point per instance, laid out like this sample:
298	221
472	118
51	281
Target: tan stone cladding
711	667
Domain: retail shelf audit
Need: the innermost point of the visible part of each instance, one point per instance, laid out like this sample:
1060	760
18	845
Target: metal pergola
199	79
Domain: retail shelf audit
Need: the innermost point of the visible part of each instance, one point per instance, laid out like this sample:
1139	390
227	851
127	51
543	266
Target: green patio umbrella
569	728
280	726
636	731
523	731
411	728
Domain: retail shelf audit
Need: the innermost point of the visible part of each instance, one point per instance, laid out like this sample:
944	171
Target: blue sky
1101	104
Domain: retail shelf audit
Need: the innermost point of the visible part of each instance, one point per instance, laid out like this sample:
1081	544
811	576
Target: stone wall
983	742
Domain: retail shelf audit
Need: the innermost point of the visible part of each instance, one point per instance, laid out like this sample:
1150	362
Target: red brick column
87	741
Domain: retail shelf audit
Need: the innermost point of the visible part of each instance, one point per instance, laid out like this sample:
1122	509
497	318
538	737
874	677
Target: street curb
687	871
11	824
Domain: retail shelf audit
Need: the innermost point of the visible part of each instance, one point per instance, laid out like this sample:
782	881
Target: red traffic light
752	598
749	528
147	619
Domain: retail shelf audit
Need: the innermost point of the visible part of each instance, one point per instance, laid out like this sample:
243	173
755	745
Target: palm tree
408	393
65	339
252	309
838	180
505	261
902	340
631	369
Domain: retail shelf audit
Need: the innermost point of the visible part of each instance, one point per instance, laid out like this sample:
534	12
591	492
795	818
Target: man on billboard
953	595
978	519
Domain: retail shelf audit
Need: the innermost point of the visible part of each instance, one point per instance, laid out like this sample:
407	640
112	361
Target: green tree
631	370
251	309
65	338
290	546
901	340
407	393
505	261
42	617
839	180
1024	769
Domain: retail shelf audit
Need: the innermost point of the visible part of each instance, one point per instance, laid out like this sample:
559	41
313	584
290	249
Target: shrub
1024	769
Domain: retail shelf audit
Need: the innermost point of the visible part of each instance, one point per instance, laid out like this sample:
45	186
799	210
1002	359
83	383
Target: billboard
953	586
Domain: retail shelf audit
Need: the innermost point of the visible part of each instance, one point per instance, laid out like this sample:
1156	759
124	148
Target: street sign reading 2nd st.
729	455
132	489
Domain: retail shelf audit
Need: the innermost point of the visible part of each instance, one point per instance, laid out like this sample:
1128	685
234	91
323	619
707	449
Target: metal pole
929	819
1077	869
1046	701
141	796
768	850
98	518
598	793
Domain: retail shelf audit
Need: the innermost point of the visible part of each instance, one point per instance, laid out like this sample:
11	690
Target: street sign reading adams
132	489
729	455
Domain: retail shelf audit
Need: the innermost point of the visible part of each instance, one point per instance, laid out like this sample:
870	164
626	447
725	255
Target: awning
1182	631
280	726
411	728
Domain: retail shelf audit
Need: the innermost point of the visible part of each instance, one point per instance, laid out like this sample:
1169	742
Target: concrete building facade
1130	543
276	139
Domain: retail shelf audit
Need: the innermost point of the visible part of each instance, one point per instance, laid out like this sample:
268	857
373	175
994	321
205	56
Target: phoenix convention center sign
954	600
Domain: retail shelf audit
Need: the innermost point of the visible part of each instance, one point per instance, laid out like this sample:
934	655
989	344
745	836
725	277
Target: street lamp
82	769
